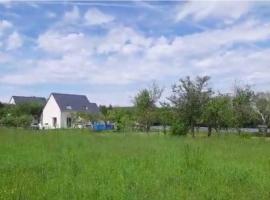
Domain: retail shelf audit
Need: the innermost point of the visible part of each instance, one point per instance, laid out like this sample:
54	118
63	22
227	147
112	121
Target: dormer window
85	107
68	107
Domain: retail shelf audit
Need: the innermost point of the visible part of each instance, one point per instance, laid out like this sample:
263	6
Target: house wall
51	110
11	101
64	116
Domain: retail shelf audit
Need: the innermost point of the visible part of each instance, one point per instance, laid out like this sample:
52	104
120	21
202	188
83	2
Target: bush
18	121
24	121
179	128
8	121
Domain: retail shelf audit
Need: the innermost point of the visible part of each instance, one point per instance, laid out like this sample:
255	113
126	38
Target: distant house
22	99
58	110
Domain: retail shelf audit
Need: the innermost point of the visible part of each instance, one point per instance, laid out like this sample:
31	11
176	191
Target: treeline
193	103
21	115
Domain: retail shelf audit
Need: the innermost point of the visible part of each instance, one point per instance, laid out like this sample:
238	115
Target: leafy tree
105	111
178	128
243	106
21	115
122	117
84	118
24	121
218	113
165	115
145	105
189	99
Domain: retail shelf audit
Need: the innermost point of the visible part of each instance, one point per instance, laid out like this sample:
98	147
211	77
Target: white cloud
198	44
124	56
95	17
215	9
4	57
4	25
6	3
56	42
14	41
51	14
72	15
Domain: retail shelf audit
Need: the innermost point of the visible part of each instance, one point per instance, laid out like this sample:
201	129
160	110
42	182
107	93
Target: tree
243	106
105	111
189	99
262	107
1	105
218	113
123	118
165	115
145	105
20	115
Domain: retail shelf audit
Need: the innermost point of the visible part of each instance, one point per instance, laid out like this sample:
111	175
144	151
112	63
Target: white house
22	99
58	110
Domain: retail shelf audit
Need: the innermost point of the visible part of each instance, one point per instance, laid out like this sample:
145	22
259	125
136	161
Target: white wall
64	116
11	101
51	110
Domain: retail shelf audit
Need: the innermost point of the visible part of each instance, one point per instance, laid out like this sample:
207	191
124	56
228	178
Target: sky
109	50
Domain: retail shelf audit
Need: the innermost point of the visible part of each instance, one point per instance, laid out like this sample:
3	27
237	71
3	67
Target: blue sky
110	50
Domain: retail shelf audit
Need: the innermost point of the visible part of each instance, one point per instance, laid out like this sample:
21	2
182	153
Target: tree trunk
239	131
147	128
209	131
192	131
164	129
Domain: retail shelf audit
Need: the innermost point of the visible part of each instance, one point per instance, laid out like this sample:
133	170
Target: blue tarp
102	127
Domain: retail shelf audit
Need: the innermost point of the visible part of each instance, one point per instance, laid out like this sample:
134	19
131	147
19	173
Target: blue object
98	126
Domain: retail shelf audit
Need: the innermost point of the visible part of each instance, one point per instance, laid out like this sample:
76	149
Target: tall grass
77	164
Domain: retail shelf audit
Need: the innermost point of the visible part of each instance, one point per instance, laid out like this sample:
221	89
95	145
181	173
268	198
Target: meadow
78	164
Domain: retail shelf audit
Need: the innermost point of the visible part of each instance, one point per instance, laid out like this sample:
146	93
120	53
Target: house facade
58	111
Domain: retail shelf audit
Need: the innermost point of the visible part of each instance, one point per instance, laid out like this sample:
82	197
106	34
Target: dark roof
74	102
22	99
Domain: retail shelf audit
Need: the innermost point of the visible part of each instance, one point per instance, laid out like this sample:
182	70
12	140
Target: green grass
77	164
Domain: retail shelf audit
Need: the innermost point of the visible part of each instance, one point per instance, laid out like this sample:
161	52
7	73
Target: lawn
77	164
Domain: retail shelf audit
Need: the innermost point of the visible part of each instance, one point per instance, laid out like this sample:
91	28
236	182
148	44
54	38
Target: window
68	107
85	108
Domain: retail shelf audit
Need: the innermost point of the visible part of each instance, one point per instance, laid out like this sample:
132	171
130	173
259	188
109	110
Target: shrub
19	121
179	128
8	121
24	121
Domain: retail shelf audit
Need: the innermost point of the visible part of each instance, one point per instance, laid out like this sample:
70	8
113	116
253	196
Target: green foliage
145	105
179	128
75	164
165	116
189	99
122	117
20	115
105	111
83	116
24	121
218	113
243	106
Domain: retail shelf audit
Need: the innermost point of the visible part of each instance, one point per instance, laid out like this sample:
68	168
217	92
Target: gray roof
22	99
74	102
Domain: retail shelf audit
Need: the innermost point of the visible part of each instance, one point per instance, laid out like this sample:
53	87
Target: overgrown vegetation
21	115
75	164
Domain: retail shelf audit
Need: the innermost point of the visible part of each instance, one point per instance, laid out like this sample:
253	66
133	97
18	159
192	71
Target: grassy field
76	164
